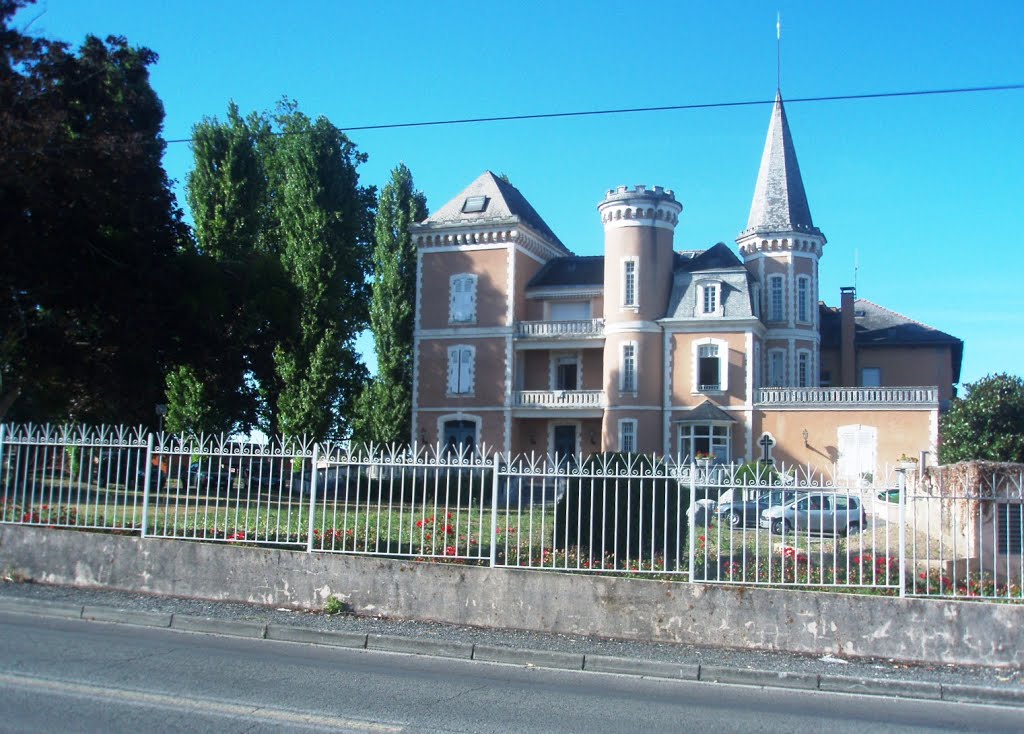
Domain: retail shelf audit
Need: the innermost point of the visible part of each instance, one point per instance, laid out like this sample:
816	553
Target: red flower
451	551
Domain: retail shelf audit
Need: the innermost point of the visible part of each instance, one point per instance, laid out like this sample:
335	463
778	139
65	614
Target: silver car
816	512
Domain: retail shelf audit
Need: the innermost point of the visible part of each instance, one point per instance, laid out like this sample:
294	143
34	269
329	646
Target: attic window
474	204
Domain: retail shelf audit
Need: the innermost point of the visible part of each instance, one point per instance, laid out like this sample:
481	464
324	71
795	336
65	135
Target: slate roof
570	271
504	204
877	326
707	412
721	263
780	201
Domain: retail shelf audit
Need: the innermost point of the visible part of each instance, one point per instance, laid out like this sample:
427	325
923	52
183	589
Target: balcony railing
559	399
580	329
847	396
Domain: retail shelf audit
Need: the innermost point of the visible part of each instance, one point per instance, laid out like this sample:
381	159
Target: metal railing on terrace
558	399
866	396
641	515
577	329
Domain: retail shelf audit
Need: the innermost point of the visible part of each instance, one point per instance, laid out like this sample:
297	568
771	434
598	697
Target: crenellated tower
781	248
639	226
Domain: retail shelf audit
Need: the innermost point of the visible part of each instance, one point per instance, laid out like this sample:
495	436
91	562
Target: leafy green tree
90	233
322	221
188	406
987	423
384	412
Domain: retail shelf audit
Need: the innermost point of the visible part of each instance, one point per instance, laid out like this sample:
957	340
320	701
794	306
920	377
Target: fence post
495	482
901	482
3	435
312	497
146	484
693	519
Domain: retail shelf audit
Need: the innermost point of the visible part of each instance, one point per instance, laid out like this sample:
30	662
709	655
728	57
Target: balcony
548	401
848	398
565	330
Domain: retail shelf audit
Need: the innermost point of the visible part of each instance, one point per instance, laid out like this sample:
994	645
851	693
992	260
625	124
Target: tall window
462	298
803	369
629	282
627	436
709	374
775	301
627	377
803	299
776	368
461	369
710	298
755	300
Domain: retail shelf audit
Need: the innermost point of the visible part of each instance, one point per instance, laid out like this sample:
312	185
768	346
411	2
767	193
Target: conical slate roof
497	201
780	202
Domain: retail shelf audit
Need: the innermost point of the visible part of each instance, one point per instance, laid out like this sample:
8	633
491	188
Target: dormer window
474	204
709	294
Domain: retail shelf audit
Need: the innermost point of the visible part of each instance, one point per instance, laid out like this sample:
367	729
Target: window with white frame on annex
803	368
461	369
776	303
462	298
627	368
776	368
627	436
629	294
803	299
699	441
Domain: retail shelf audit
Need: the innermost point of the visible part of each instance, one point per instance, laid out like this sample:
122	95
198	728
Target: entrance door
459	435
565	444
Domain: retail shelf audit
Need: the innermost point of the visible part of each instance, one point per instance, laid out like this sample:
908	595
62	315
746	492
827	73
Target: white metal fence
605	513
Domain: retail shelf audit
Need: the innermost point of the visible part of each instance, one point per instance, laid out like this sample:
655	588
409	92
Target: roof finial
778	50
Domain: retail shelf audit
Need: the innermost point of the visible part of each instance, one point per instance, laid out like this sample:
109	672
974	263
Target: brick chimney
847	354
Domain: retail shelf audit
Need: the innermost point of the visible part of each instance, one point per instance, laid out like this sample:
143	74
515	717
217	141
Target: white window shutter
469	294
453	370
466	370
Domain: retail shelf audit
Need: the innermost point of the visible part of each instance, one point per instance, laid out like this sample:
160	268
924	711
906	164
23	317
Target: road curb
232	627
283	633
126	616
537	658
417	646
922	690
880	687
643	668
766	678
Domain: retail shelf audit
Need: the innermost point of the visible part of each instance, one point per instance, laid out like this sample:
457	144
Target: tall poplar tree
384	413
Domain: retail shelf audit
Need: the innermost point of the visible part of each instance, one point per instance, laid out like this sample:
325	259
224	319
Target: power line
665	108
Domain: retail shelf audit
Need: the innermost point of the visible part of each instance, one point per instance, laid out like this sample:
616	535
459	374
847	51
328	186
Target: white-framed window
776	302
710	299
858	452
803	368
461	369
757	365
629	293
776	368
565	371
627	436
462	298
755	300
627	368
803	299
711	365
871	377
704	439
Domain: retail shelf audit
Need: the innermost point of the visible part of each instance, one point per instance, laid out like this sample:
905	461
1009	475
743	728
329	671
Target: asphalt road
73	675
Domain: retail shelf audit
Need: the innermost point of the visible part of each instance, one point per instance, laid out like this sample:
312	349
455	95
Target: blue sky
924	193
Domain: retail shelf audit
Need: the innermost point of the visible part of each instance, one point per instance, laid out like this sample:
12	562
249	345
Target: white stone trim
667	348
466	332
630	327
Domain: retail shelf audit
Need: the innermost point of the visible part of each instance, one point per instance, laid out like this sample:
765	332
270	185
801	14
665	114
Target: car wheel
779	527
735	519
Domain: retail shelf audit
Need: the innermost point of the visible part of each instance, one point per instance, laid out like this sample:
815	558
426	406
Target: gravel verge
797	667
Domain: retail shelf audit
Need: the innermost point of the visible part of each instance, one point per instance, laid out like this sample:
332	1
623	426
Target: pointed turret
780	202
